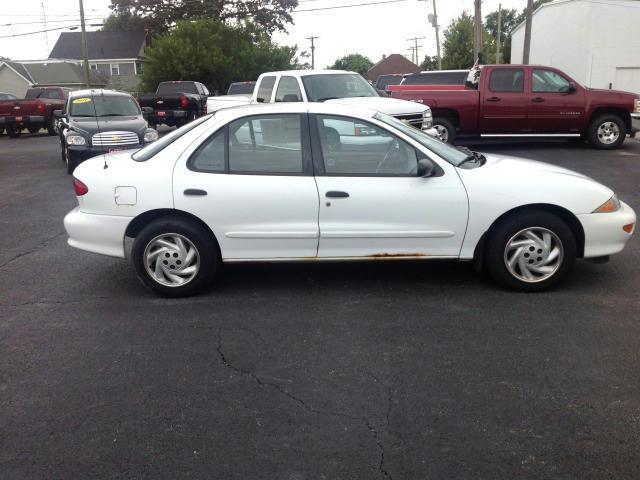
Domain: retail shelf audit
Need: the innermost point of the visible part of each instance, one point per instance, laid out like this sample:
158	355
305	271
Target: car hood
91	125
613	93
523	167
390	106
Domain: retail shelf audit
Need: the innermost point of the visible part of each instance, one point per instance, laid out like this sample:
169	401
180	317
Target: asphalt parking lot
336	371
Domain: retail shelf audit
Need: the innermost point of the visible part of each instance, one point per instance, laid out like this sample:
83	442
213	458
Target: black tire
52	128
13	131
33	129
446	129
72	162
594	134
506	231
205	245
1	130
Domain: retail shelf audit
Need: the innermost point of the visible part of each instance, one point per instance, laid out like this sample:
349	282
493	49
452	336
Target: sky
372	30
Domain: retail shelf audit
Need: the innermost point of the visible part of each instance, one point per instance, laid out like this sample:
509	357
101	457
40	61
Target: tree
458	43
429	63
510	20
162	15
123	22
214	53
353	62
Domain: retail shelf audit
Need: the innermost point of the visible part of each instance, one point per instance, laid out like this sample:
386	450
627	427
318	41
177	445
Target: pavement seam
40	246
300	401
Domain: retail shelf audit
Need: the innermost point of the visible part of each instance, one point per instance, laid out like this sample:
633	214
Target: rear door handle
336	194
537	100
195	192
493	99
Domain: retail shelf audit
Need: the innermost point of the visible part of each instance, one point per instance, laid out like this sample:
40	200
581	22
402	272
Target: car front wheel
607	132
175	257
530	251
445	128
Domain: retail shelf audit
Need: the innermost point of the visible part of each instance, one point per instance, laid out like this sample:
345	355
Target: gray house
117	55
17	77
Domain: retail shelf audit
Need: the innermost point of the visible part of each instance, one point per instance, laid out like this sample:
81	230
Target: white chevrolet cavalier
301	182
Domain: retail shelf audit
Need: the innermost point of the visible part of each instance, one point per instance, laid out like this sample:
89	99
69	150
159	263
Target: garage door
628	79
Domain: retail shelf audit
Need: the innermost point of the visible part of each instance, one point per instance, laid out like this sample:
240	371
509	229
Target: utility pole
85	50
477	43
435	25
499	39
313	51
527	33
415	48
44	26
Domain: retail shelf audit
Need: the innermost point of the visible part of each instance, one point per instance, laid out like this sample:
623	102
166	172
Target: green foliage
214	53
162	16
429	63
458	43
510	20
123	22
353	62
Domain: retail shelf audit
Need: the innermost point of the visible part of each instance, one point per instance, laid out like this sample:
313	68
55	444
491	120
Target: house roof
55	73
101	45
394	63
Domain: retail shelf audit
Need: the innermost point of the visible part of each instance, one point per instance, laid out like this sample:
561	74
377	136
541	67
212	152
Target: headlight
611	205
636	106
74	139
150	135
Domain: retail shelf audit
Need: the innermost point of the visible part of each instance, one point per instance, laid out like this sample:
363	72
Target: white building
597	42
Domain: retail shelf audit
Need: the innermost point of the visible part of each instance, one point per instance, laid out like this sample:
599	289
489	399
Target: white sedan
320	182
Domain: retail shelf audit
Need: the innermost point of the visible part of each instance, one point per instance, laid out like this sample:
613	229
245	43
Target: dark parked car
33	112
175	103
96	122
383	81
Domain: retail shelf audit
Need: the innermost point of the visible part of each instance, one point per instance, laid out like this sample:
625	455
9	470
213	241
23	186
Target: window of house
354	147
93	66
115	69
506	80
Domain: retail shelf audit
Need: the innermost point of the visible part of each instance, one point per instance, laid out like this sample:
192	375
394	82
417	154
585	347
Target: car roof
97	91
320	108
302	73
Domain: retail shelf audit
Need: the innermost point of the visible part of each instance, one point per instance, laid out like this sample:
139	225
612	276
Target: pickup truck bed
33	112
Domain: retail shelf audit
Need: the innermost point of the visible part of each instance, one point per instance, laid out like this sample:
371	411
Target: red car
34	112
529	100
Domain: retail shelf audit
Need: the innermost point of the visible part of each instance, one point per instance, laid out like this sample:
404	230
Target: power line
48	21
348	6
70	27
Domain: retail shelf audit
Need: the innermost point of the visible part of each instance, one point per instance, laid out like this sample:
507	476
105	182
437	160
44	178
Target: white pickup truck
336	86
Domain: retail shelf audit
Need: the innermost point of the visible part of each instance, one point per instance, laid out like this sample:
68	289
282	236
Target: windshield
104	106
243	88
341	85
449	153
153	148
176	87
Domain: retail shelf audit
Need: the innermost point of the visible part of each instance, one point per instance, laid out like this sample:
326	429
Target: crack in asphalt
374	431
40	246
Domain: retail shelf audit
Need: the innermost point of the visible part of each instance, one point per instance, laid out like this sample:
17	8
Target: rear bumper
635	123
603	233
22	120
103	234
172	115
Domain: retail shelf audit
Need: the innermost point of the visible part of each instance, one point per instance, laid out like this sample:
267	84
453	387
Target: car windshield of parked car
451	154
104	106
176	87
244	88
153	148
341	85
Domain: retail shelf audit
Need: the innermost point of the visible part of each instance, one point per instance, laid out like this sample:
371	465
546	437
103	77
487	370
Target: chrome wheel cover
533	254
608	133
171	260
443	132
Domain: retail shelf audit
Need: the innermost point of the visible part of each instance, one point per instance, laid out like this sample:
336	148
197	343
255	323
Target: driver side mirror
426	168
572	87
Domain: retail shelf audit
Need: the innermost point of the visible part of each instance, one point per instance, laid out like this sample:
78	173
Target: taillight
40	106
79	187
184	103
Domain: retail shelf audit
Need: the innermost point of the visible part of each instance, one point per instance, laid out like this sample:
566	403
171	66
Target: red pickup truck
34	112
529	100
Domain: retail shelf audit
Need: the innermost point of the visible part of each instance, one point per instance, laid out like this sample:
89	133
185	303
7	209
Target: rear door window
288	90
265	89
506	80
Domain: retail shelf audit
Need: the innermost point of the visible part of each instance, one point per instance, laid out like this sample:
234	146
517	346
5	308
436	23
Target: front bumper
79	153
603	233
103	234
635	123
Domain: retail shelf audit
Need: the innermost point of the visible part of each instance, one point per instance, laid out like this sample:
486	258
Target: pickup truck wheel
33	129
445	128
1	130
52	127
607	132
531	251
13	131
174	257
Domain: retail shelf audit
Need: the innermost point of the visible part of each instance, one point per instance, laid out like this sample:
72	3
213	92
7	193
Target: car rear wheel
531	251
52	127
13	131
175	257
1	130
445	128
33	129
607	132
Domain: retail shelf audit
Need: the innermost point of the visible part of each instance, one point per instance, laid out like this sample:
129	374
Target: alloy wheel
443	132
608	132
533	254
171	260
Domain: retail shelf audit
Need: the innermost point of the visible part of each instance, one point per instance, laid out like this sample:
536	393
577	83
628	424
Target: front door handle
537	100
336	194
493	99
195	192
